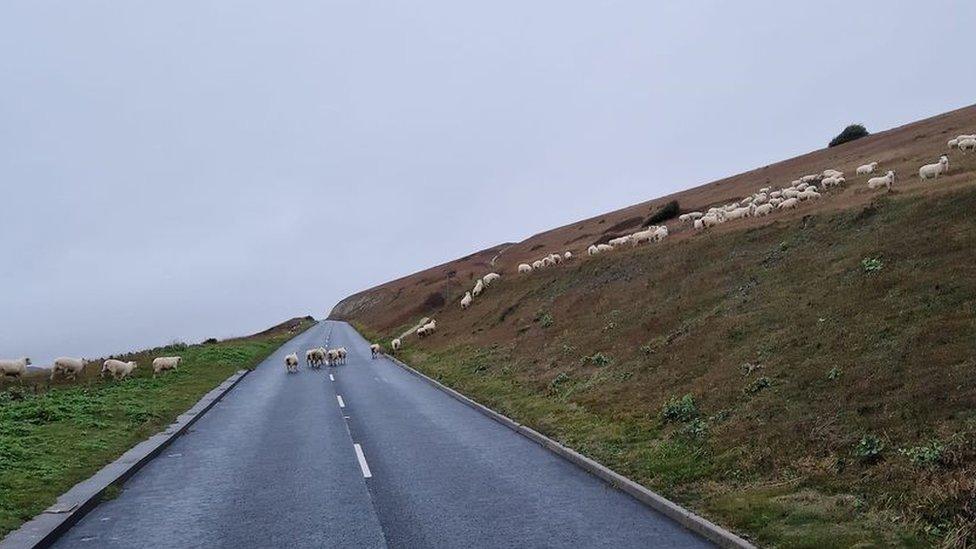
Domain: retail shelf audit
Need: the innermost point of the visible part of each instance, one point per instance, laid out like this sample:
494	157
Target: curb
705	528
44	529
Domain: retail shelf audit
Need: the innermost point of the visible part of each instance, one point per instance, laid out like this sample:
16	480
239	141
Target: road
362	455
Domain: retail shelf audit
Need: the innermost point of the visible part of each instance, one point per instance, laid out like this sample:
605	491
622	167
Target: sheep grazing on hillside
568	256
828	182
592	250
831	173
774	202
968	144
395	345
604	248
524	268
164	363
14	367
738	213
68	367
776	194
865	169
933	171
479	287
489	278
809	193
763	210
640	237
810	178
789	203
375	350
427	329
660	233
619	241
886	181
466	301
291	363
537	265
118	369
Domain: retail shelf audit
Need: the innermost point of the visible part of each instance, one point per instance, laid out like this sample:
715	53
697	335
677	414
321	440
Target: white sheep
776	194
831	173
865	169
323	355
690	217
775	202
738	213
479	287
699	224
604	248
952	143
526	268
763	210
537	265
790	192
14	367
619	241
396	344
660	233
291	364
933	171
489	278
592	250
968	144
759	198
342	354
809	193
886	181
764	190
832	181
789	203
118	369
640	237
375	349
315	357
810	178
67	366
164	363
568	256
466	301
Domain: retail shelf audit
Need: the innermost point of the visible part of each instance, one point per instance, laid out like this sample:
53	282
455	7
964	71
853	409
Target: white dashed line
341	403
331	377
362	461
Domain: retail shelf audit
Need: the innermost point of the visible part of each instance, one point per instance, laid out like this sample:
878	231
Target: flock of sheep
318	357
70	367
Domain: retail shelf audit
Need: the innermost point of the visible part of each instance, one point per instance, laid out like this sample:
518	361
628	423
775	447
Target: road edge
697	524
45	528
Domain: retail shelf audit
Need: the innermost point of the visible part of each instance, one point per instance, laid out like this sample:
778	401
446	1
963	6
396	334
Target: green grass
52	439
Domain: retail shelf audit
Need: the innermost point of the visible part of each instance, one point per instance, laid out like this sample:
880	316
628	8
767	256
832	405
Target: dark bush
433	301
210	341
625	224
664	213
850	133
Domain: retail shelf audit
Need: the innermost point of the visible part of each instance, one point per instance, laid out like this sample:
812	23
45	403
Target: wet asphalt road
274	465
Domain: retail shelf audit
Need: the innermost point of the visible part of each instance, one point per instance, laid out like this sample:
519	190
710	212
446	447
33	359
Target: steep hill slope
828	355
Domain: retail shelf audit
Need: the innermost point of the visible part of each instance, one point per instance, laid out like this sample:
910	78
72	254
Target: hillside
827	353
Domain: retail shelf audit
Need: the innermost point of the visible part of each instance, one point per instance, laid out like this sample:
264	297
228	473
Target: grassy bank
810	383
52	438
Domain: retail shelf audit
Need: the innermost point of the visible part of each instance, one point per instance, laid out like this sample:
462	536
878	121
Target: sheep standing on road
375	349
164	363
15	367
887	181
68	367
933	171
118	369
291	364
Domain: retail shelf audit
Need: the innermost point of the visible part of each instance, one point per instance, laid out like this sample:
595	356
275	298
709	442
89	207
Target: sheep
809	193
690	217
291	364
568	256
15	367
375	350
315	357
333	356
968	144
537	265
738	213
711	220
641	236
466	301
592	250
619	241
952	143
788	204
886	181
763	210
832	181
119	370
556	258
790	193
775	202
163	363
604	248
831	173
802	186
427	329
479	287
526	268
933	171
810	178
489	278
547	262
865	169
760	198
342	354
323	354
67	366
309	357
776	194
396	344
660	233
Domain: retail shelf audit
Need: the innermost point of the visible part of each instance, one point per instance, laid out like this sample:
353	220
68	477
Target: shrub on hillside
869	449
680	409
433	301
664	213
850	133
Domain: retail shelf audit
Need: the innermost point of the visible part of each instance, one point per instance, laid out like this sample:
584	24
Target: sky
194	169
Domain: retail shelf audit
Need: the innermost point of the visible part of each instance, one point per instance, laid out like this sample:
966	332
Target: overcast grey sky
194	169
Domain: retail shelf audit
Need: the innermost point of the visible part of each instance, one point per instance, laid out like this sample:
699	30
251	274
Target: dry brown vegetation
829	353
